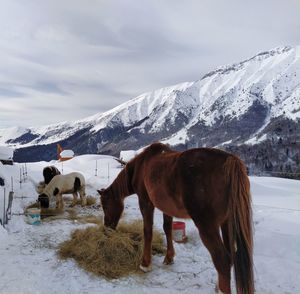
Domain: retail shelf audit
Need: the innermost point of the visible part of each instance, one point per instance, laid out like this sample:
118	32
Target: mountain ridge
233	105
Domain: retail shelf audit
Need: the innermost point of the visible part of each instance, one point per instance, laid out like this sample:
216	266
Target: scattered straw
109	253
89	219
90	200
46	212
55	213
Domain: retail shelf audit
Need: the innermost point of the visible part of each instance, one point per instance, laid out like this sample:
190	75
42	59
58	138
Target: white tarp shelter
6	153
127	155
67	154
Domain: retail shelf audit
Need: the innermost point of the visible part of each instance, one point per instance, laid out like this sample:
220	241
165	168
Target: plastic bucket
179	232
33	216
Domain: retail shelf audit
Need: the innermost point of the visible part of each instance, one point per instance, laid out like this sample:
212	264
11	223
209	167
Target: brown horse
209	186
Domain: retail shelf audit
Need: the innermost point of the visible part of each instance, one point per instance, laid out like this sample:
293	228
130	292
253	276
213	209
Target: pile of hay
109	253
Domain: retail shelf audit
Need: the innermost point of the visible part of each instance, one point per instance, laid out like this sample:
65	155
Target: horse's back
202	161
204	154
77	175
67	181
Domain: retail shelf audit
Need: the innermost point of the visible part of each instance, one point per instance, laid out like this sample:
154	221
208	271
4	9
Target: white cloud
90	56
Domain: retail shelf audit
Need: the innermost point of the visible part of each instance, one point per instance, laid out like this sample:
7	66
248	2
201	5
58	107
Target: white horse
64	184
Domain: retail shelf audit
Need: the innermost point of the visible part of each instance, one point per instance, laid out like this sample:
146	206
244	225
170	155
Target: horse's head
44	200
113	207
40	187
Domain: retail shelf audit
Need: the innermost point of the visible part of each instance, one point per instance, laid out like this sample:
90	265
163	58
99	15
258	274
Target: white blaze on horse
72	183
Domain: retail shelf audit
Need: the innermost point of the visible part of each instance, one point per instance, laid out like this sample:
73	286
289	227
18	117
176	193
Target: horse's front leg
59	201
147	210
168	221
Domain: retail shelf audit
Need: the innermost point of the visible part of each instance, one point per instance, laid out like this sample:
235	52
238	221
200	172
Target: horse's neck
120	186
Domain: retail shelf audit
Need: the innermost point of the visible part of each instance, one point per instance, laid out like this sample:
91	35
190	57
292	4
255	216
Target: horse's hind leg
168	221
226	241
74	202
147	210
211	238
79	186
82	196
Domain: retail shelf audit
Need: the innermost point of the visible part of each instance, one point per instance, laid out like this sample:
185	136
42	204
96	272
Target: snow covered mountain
251	108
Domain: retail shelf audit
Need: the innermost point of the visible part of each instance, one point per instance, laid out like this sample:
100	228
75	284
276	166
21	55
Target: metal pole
96	170
4	207
23	173
108	171
20	179
12	184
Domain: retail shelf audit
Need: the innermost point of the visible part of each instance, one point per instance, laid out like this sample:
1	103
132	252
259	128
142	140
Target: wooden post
96	170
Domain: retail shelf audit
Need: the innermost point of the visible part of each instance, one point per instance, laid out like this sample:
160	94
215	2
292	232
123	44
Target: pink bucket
179	232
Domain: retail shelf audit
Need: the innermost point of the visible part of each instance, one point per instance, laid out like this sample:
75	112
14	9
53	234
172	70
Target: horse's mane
122	186
153	149
157	147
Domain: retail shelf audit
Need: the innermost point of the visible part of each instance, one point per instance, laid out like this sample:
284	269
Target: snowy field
28	254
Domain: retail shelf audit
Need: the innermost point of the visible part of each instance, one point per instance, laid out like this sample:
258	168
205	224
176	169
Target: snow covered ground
29	263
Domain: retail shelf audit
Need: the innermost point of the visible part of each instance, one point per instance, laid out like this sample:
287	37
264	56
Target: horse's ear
101	192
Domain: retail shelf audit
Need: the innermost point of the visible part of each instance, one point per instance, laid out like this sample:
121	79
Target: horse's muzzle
44	200
110	225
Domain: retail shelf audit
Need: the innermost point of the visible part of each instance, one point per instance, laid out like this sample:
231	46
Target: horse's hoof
218	290
168	261
146	269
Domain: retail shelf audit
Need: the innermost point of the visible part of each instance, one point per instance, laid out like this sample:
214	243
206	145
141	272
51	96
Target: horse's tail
240	225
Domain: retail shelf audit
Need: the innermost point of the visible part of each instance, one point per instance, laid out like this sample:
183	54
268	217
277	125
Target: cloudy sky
66	59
